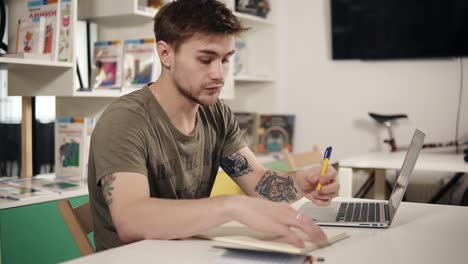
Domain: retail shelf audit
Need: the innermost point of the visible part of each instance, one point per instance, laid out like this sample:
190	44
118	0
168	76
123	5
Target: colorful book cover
66	32
107	68
49	9
139	62
248	126
30	36
72	135
275	132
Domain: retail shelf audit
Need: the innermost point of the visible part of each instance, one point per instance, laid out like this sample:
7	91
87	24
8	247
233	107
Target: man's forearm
170	219
278	187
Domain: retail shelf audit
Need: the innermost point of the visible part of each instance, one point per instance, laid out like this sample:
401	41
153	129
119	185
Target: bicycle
388	121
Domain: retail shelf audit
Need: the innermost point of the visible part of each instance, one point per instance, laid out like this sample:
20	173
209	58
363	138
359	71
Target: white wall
332	98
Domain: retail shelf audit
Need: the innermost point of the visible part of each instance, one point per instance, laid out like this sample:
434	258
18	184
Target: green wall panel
36	234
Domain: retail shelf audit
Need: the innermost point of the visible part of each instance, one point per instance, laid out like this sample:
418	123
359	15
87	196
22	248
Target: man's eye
225	61
205	61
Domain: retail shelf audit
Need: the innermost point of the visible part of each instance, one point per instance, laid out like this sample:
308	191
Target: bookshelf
127	20
31	77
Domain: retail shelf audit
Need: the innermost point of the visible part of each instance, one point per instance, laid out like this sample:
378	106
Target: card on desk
238	236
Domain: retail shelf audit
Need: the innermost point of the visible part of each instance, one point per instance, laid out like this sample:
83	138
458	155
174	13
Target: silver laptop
369	214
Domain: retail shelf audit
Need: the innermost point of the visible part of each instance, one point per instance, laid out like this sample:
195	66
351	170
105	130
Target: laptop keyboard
361	212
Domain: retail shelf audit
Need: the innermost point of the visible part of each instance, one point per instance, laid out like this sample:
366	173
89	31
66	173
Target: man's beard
187	94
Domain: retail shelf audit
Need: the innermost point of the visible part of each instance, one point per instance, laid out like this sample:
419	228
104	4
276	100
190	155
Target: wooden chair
80	223
300	160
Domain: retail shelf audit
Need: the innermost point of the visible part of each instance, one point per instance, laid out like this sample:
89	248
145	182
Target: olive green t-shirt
134	134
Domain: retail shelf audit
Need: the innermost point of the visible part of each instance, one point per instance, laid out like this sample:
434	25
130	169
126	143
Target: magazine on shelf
65	48
248	125
107	64
13	191
56	185
275	132
50	11
72	136
139	62
29	38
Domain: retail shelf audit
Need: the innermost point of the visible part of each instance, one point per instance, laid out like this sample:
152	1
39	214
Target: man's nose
217	71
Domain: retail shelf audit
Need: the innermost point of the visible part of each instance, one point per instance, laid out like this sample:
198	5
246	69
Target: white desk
380	162
420	233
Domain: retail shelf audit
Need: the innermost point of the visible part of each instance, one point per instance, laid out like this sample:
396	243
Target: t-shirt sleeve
118	144
234	139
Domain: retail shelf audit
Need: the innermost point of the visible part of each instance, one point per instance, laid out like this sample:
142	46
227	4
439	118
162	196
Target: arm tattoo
276	188
107	188
236	165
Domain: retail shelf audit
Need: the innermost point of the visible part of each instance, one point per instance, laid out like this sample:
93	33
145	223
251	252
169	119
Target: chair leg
446	187
464	200
365	188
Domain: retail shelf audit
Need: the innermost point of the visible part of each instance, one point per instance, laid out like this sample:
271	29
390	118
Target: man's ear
166	53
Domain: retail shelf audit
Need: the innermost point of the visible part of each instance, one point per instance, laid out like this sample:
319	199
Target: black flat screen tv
397	29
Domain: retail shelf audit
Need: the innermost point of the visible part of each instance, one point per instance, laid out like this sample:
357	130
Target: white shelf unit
255	84
115	13
31	77
124	20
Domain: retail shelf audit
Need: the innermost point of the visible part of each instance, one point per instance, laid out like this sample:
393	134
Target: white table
434	162
420	233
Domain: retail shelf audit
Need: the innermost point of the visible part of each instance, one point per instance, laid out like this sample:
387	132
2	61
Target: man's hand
276	219
307	181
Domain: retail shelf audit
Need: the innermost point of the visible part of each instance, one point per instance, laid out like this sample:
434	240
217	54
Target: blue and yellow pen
326	160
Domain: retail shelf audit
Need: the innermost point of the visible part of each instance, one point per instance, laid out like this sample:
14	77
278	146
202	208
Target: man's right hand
274	218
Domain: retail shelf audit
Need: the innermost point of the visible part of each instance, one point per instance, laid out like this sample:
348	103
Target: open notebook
235	235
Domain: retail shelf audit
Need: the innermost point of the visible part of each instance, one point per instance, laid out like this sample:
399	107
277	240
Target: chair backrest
299	160
80	223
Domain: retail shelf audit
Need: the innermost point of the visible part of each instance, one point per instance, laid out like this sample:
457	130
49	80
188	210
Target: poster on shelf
275	132
140	66
107	66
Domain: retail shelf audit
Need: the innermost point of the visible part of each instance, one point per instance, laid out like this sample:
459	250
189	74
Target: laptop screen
405	172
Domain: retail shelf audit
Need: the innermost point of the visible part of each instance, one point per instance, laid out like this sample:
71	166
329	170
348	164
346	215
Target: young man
155	153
